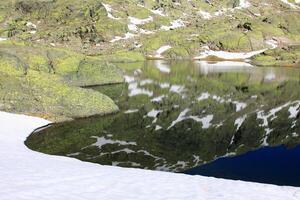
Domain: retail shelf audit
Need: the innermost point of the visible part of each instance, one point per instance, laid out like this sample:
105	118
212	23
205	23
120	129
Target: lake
177	116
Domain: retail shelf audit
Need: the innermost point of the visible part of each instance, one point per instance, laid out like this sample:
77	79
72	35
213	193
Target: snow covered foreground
25	174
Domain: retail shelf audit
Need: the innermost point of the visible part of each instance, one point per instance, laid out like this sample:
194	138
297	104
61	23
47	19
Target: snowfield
29	175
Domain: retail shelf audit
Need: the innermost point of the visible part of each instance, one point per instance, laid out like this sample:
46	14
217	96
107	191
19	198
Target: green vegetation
144	146
86	27
40	81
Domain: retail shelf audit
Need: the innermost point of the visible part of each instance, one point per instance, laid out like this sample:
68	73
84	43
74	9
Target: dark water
175	116
274	165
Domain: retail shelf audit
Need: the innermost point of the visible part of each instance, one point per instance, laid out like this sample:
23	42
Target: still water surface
175	116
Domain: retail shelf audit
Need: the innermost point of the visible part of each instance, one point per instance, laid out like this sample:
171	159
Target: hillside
115	31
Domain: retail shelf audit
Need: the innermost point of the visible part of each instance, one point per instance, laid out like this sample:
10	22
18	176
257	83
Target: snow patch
244	4
291	4
174	25
204	14
109	11
160	51
228	55
138	21
126	37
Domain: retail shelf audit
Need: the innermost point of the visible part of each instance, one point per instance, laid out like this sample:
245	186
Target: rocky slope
73	40
132	29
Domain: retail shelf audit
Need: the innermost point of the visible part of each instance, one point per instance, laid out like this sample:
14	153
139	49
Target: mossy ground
70	40
42	81
84	26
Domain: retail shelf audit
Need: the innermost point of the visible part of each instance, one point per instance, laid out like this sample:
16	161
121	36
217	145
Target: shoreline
26	174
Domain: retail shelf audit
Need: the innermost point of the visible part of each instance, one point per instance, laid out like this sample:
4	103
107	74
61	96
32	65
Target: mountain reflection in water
175	116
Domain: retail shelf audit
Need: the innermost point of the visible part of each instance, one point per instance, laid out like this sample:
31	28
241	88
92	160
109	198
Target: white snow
29	175
133	22
228	55
204	14
31	25
174	25
138	21
272	43
158	12
126	37
109	11
291	4
160	51
163	49
244	4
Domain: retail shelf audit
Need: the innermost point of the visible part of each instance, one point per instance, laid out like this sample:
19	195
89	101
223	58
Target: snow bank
30	175
160	51
138	21
126	37
225	55
109	11
204	14
244	4
291	4
174	25
228	55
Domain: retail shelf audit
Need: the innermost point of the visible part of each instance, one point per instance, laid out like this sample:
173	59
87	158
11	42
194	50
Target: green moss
45	95
124	57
